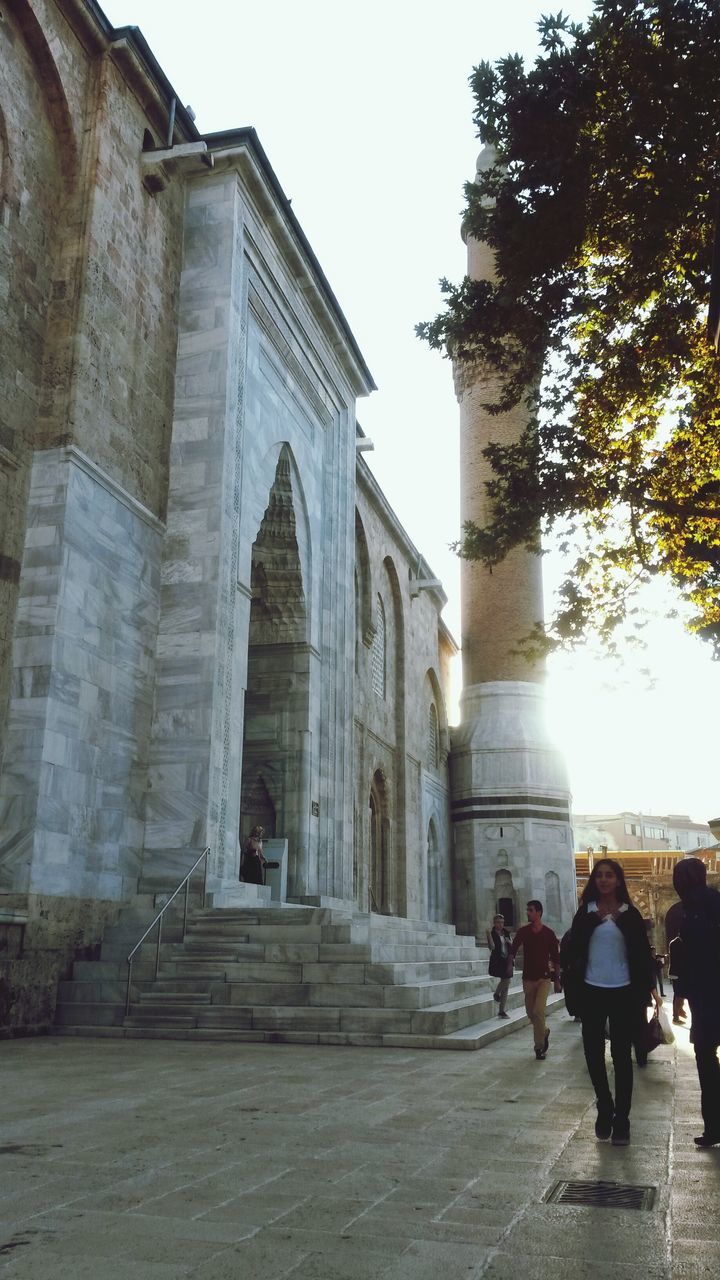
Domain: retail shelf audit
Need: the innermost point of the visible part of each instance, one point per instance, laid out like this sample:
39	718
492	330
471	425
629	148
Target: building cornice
241	149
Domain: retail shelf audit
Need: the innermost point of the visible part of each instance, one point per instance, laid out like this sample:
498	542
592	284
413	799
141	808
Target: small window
432	737
377	653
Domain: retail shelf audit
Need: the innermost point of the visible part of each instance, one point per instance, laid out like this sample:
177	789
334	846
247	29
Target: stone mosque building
210	616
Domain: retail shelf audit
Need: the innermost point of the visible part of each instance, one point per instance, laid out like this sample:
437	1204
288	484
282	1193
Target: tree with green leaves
601	208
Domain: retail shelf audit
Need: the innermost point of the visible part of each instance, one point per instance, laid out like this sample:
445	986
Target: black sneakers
604	1122
540	1054
620	1132
707	1140
503	1014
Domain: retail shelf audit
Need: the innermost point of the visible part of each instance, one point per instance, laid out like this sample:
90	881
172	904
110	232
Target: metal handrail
159	919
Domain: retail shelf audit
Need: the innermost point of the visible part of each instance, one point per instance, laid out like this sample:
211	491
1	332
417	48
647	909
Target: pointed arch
397	696
276	727
364	593
433	875
278	610
380	886
553	904
53	93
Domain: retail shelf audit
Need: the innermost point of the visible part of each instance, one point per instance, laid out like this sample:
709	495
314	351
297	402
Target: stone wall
36	955
72	787
400	777
90	280
89	271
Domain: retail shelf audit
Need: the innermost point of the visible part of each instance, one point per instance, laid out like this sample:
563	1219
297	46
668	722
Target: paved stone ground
150	1160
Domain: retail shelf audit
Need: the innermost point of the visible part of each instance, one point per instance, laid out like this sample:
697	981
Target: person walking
610	952
659	967
673	920
499	941
698	981
541	966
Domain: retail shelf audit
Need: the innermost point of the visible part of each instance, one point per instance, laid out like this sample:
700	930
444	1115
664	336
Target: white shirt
607	964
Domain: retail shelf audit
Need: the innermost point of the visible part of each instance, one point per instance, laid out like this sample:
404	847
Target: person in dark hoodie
615	977
698	980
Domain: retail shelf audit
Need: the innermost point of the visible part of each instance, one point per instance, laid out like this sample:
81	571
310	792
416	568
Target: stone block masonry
71	792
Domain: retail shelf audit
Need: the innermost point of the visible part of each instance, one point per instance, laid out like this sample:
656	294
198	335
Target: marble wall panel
83	670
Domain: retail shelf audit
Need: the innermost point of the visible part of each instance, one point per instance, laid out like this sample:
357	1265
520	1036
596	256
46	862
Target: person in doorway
499	942
659	967
541	966
698	977
673	920
610	949
252	862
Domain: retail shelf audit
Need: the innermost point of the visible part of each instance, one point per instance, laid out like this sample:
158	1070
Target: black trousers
618	1007
708	1069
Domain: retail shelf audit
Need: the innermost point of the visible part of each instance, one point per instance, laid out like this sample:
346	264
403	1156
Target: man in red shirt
541	966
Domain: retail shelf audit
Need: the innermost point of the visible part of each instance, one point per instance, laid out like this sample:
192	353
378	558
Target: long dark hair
590	892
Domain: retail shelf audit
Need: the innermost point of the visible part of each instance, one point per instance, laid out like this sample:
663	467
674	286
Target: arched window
377	653
432	737
553	909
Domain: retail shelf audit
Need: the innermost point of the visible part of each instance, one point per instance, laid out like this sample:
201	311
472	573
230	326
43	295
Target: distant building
648	832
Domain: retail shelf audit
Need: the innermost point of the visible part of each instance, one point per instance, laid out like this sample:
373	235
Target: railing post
159	919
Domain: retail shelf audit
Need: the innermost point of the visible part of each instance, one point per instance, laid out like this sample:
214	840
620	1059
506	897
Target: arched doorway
505	896
379	887
434	884
278	681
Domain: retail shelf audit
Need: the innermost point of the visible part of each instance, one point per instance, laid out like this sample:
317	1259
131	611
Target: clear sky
366	116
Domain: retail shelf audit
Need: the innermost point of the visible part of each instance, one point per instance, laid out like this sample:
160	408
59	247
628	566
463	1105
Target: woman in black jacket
615	978
500	965
697	963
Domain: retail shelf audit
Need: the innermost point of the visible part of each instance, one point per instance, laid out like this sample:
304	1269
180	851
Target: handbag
667	1032
653	1034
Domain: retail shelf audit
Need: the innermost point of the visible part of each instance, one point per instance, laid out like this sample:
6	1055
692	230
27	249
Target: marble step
393	952
191	974
247	932
272	926
108	970
175	998
87	1013
290	973
372	995
304	1013
306	944
229	917
470	1038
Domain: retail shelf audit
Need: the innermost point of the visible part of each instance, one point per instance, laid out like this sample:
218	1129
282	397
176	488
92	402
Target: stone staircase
292	974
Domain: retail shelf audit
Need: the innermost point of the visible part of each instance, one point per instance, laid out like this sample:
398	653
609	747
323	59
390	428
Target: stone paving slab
160	1160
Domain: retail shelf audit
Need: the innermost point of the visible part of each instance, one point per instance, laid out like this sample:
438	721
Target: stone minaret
510	796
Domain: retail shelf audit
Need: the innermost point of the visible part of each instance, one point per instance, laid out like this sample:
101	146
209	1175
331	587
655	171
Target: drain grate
604	1195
